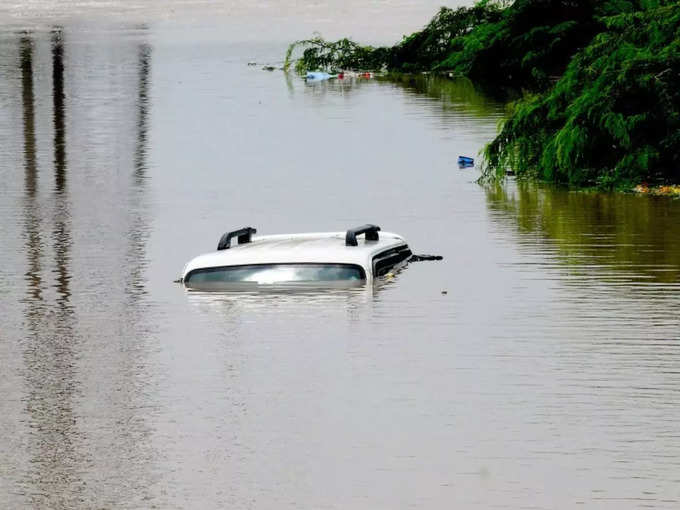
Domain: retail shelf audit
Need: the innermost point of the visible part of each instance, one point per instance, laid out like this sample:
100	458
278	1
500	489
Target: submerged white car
358	255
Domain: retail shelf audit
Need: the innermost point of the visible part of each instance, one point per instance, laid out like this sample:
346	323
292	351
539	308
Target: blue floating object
464	160
317	76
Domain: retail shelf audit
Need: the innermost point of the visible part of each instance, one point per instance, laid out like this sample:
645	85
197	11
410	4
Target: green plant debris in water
600	82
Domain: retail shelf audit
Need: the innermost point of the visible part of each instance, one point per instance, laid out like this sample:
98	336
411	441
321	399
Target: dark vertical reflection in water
32	221
137	234
144	65
50	350
138	230
26	62
131	465
58	102
61	233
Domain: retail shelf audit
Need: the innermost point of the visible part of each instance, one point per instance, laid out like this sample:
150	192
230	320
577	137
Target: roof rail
244	235
371	232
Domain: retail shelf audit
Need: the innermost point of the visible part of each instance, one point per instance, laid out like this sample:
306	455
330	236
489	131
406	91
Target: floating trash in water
268	68
341	75
672	190
464	161
252	63
317	76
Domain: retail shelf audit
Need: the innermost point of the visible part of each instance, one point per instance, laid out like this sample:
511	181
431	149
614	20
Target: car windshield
275	274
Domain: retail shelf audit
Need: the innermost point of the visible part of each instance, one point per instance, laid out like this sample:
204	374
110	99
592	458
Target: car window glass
277	273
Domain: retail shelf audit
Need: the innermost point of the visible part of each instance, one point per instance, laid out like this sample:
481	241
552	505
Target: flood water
546	376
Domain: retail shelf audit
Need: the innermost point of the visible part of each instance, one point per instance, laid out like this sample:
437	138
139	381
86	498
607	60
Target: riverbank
599	103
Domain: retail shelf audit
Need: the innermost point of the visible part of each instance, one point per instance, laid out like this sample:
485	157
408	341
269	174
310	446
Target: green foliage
602	101
531	42
417	52
424	50
521	44
613	119
320	54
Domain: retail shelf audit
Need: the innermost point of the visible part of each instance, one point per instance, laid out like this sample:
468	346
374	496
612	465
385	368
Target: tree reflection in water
614	235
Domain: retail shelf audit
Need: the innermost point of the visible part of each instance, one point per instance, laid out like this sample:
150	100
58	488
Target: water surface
546	376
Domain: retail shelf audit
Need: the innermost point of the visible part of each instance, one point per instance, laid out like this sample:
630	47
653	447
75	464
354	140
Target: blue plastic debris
464	161
317	76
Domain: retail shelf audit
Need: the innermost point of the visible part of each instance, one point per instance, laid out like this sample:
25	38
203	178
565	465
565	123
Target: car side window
387	260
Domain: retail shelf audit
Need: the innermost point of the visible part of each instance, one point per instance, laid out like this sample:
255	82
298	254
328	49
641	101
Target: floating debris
252	63
318	76
269	68
465	162
666	191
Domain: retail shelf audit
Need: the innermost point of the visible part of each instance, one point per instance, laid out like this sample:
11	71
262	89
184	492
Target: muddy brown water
546	376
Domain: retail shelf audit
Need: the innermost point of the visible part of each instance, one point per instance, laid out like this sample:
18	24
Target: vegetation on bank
421	51
600	82
613	119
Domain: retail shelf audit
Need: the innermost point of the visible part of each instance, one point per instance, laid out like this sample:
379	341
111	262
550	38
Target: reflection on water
26	59
612	236
300	300
310	293
50	350
62	448
58	103
537	365
458	95
457	98
144	69
138	231
30	165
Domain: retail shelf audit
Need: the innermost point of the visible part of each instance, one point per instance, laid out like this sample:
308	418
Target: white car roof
322	247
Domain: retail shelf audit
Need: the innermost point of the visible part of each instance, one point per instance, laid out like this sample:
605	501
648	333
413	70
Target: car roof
321	247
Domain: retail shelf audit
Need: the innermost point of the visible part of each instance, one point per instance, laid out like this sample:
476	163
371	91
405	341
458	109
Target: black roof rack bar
371	232
243	235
